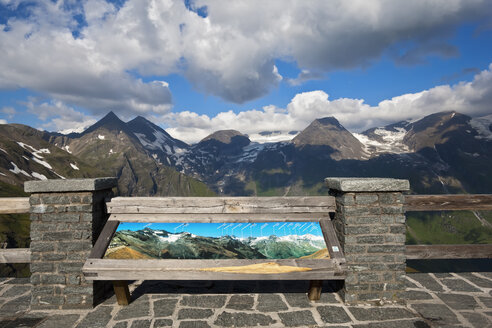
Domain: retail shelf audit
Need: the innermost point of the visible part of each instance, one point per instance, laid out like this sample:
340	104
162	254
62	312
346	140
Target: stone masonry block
392	209
360	210
41	209
386	249
69	185
357	229
395	238
367	184
70	267
369	277
372	239
42	267
61	217
366	198
52	279
347	199
76	246
54	256
400	218
356	249
60	235
379	229
398	229
81	289
42	247
73	279
391	198
362	220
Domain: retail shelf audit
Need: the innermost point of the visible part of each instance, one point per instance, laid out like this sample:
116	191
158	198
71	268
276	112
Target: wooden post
122	292
314	293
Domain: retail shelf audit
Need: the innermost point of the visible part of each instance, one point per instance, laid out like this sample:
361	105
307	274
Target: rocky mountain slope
149	243
110	146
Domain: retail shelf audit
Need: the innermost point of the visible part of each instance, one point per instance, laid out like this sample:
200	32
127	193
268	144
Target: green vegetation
457	227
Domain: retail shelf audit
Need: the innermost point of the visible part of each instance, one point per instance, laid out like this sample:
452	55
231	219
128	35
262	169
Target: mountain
330	133
130	152
149	243
156	141
24	155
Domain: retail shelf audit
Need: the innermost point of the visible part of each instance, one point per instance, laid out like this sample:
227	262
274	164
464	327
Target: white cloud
304	76
470	98
231	53
3	121
9	111
59	117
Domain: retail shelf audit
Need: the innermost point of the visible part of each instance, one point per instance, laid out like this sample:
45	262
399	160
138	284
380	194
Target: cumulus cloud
3	121
9	111
304	76
58	116
105	58
471	98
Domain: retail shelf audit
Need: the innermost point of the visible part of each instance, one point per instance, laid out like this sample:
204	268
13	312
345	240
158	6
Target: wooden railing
415	203
14	205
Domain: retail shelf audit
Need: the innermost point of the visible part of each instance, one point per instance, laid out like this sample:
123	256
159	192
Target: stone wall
66	219
370	225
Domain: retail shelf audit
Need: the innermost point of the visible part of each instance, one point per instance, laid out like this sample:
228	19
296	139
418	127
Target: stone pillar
66	219
370	224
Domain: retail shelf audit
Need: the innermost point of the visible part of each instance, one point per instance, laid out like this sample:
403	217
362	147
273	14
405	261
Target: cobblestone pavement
434	300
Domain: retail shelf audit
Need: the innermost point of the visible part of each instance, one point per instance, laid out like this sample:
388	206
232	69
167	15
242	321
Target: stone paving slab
434	300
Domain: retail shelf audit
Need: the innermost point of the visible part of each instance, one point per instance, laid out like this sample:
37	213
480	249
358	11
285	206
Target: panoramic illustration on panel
280	240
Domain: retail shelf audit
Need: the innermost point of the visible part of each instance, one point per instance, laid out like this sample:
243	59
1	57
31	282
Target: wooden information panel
223	238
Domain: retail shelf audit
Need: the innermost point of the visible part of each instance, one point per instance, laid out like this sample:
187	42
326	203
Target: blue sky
194	67
241	230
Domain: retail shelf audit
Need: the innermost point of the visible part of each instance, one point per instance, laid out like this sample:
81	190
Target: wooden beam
122	292
448	202
103	240
161	269
422	252
12	205
218	217
314	293
331	240
15	255
221	205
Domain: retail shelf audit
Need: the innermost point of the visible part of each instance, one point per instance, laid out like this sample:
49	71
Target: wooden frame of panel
215	210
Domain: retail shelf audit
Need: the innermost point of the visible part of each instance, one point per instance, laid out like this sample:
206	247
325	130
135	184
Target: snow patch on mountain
482	125
101	137
161	142
16	170
74	166
39	176
44	163
392	141
275	136
67	149
3	150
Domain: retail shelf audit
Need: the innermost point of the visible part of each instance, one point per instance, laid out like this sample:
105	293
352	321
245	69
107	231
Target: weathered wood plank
15	255
222	205
448	202
11	205
331	240
422	252
314	293
104	239
219	217
106	269
122	292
